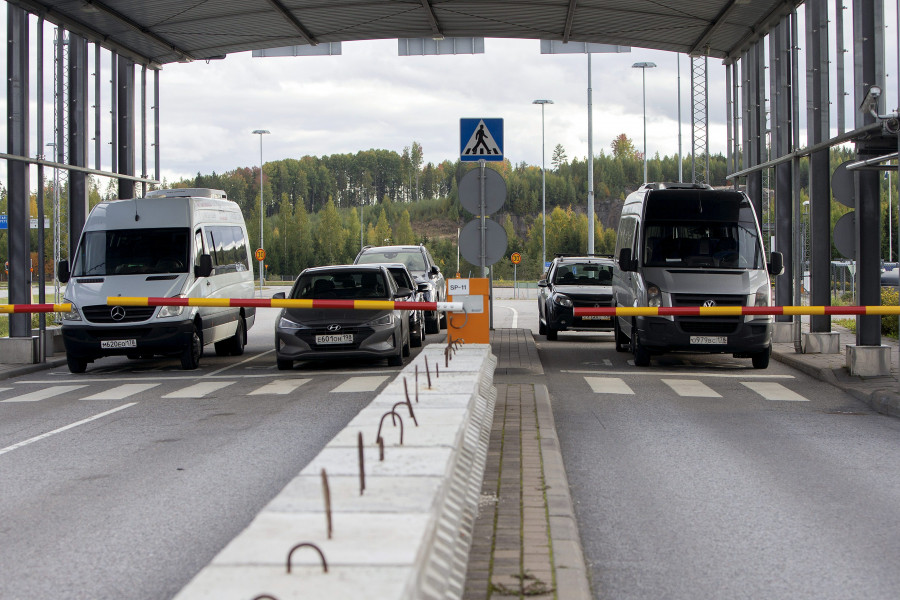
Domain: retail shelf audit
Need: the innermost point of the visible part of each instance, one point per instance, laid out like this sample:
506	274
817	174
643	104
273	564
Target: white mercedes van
682	244
180	243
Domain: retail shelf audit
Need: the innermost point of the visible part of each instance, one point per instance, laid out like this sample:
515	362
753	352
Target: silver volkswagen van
682	244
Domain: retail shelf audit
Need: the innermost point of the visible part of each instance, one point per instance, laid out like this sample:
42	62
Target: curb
572	581
408	534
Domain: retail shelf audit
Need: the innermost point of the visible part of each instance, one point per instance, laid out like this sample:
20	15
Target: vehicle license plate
118	343
596	318
709	339
344	338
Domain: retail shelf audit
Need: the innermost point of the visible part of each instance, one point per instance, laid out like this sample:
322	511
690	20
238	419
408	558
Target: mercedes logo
709	303
117	313
334	327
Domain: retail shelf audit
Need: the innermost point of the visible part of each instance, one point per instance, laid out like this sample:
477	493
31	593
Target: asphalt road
125	481
703	478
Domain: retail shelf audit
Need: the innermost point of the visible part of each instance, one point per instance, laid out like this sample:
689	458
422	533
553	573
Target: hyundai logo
117	313
334	327
709	303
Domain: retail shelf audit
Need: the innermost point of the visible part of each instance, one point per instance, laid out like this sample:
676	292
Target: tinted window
133	251
341	285
413	259
582	274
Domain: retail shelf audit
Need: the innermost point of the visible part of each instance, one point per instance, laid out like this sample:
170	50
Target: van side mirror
625	262
204	267
776	263
62	271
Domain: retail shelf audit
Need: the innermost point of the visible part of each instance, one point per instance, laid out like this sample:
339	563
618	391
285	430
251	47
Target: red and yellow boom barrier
34	308
285	303
719	311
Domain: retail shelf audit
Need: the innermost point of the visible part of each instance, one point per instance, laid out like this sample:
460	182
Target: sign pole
515	281
482	163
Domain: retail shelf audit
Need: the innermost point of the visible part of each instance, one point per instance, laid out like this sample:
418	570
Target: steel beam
78	137
782	137
818	115
126	126
18	201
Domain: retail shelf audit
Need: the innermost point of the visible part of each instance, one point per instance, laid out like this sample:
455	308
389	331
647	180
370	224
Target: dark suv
419	262
583	281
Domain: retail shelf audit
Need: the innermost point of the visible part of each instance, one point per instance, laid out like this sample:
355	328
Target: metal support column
818	115
755	123
78	137
125	118
782	105
17	122
699	120
868	71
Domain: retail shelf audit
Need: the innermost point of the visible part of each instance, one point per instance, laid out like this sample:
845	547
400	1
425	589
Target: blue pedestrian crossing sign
480	139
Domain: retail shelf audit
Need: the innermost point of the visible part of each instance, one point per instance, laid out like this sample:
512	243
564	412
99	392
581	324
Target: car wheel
235	344
76	364
397	359
284	364
433	325
551	333
419	338
641	354
190	356
407	343
542	329
761	358
442	320
621	341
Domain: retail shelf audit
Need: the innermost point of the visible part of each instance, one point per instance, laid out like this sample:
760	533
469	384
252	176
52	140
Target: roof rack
581	255
187	193
675	185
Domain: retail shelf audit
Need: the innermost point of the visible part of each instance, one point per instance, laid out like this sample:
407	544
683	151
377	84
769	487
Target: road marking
774	391
651	372
693	388
360	384
5	389
122	391
283	386
608	385
199	390
246	360
45	393
61	429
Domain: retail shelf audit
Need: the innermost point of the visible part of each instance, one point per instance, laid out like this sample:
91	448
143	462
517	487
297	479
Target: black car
327	333
422	266
404	279
583	281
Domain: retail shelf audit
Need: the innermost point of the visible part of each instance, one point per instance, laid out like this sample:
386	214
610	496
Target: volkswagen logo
334	327
117	313
709	303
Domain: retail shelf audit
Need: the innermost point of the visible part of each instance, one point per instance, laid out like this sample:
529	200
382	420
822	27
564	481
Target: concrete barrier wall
408	535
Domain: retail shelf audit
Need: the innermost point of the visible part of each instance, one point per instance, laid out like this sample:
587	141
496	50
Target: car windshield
413	259
583	274
340	285
721	245
133	252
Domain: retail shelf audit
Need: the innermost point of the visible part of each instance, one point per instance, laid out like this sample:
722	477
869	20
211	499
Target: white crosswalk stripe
122	391
609	385
279	387
774	391
45	393
367	383
693	388
199	390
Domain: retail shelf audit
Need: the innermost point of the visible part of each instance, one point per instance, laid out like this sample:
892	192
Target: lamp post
543	187
643	66
261	132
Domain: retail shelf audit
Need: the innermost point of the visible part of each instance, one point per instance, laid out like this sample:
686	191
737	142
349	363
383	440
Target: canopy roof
164	31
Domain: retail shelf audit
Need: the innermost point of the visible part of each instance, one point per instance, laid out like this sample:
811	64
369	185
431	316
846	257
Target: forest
321	210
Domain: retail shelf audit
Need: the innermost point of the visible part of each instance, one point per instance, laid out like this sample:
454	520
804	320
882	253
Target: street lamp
261	132
643	66
543	186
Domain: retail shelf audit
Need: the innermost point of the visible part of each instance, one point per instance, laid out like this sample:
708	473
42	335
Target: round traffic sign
494	239
470	191
516	258
260	254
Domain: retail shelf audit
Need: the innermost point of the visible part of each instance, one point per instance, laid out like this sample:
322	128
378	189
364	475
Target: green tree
623	147
331	236
559	157
403	234
383	235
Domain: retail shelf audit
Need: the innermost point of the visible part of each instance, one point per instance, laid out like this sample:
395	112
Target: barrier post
472	325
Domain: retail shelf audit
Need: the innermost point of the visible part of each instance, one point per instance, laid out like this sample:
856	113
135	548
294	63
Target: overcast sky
369	97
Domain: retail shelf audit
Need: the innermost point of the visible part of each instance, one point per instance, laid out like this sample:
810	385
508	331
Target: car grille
591	301
100	313
708	325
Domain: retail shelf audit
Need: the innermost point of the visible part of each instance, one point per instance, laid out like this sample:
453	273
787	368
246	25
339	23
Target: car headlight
285	323
654	296
387	319
72	315
763	295
562	300
172	311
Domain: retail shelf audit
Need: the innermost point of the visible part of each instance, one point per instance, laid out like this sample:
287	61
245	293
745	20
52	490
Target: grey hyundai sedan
329	333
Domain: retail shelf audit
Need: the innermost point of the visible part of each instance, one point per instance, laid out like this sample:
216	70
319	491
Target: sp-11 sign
457	287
